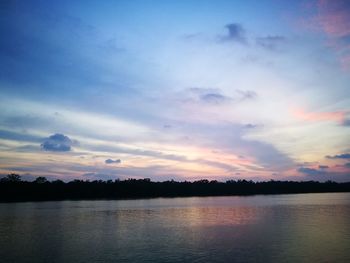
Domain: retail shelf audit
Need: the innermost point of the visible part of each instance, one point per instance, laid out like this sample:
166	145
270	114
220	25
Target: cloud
220	165
270	42
347	165
346	122
250	126
15	136
310	171
110	161
25	121
236	33
339	156
323	166
57	143
136	151
333	19
337	116
247	94
210	95
27	148
214	98
160	155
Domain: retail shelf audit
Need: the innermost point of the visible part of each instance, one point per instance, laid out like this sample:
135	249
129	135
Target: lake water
274	228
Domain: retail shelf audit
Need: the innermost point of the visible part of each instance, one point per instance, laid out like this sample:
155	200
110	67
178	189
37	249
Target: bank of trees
12	188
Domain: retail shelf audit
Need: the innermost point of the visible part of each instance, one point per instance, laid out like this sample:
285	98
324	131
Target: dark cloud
214	98
346	122
339	156
110	161
323	166
236	33
210	95
57	143
310	171
270	42
347	165
250	126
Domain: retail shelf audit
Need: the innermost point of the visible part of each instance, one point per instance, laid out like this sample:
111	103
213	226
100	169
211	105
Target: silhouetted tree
13	189
13	178
40	180
58	182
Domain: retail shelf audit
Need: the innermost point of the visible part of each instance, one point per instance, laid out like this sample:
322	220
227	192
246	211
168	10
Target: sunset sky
181	90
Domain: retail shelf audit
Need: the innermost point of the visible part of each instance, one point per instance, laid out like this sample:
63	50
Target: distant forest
14	189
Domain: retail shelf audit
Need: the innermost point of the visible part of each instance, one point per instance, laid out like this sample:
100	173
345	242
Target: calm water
280	228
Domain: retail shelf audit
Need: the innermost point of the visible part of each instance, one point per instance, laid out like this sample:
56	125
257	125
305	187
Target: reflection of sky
219	90
281	228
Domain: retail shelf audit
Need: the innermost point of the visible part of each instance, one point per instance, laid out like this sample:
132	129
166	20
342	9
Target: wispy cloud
323	166
311	171
209	96
337	116
17	136
216	96
246	94
270	42
333	19
339	156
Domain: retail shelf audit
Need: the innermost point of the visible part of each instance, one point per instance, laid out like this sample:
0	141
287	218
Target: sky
183	90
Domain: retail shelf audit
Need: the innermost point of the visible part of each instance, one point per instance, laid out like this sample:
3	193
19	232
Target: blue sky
175	89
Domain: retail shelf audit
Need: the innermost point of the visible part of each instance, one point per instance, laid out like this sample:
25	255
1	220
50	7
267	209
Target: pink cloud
332	17
337	116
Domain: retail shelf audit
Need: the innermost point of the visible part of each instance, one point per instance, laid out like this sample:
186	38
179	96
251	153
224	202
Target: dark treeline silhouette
12	188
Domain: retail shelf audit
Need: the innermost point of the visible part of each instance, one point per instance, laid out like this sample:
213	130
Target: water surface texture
276	228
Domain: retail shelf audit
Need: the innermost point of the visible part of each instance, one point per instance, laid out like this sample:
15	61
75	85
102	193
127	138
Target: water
279	228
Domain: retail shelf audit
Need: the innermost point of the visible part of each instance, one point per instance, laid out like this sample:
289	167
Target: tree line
13	188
